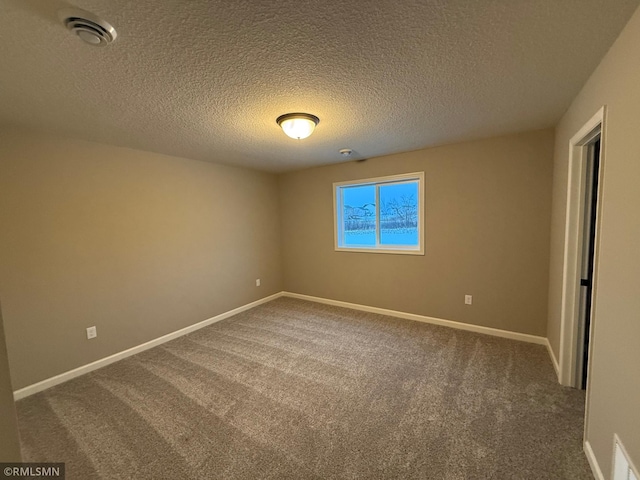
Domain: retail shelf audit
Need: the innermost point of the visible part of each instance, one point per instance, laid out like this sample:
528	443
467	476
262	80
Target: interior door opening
589	220
580	262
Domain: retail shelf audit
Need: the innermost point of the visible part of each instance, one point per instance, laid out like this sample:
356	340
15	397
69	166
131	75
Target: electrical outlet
92	332
257	282
468	299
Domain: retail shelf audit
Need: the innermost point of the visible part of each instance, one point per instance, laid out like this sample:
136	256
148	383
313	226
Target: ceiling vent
88	27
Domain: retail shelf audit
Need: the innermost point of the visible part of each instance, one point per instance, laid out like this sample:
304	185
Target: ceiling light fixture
298	125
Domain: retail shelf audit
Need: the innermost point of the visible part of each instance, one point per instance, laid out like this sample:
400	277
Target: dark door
589	239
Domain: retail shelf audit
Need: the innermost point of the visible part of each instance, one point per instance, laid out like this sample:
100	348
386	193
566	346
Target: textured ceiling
207	79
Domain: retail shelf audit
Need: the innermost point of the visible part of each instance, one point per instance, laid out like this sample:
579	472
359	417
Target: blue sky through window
399	214
397	218
359	210
380	214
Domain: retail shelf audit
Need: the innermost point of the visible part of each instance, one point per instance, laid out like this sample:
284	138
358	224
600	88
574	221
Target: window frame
338	223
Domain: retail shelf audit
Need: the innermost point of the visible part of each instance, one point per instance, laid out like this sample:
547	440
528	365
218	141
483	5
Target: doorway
581	252
589	220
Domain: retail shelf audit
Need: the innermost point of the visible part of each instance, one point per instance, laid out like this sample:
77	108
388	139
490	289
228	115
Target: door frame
578	151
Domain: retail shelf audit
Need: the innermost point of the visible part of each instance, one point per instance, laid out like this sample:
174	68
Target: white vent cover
88	27
623	469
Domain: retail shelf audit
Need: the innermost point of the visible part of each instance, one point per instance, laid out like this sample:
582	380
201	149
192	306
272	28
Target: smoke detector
88	26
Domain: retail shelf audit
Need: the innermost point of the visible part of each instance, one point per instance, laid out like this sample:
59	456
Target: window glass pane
399	214
392	226
359	215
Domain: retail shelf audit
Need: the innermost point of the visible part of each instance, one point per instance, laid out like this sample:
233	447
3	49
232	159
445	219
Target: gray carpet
294	389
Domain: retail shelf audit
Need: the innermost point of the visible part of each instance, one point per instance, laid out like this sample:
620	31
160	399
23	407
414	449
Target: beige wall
135	243
488	207
9	439
614	394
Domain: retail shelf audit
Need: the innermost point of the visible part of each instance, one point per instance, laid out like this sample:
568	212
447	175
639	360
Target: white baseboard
554	360
593	463
103	362
523	337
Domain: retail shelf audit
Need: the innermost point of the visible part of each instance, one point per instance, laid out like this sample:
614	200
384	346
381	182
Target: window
380	215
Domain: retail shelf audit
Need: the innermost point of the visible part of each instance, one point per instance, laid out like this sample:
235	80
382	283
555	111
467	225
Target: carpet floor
293	389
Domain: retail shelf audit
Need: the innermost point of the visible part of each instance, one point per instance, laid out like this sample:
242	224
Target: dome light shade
298	125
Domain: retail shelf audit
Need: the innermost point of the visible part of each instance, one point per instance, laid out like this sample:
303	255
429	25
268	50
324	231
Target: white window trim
337	225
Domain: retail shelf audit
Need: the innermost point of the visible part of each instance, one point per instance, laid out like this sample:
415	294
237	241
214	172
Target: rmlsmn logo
17	471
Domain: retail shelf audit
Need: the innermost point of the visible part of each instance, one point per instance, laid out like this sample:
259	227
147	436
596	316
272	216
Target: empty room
320	240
